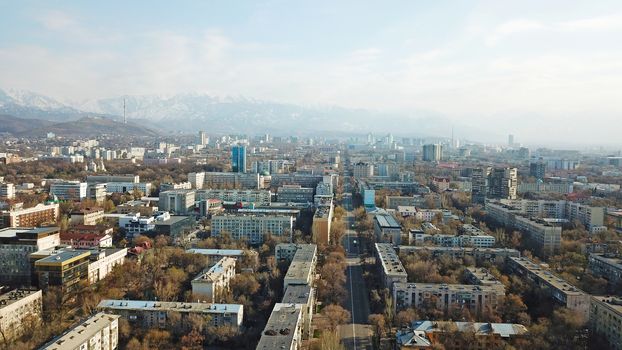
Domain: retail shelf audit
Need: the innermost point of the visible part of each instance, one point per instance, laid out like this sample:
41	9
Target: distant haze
549	72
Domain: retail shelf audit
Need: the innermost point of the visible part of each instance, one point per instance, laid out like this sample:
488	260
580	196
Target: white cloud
512	27
609	22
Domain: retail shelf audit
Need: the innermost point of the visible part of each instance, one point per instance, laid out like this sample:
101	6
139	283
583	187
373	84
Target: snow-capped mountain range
191	112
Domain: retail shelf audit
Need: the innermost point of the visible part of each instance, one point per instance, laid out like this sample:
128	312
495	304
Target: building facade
211	284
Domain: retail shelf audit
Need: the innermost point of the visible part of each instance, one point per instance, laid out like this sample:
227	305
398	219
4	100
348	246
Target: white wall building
212	283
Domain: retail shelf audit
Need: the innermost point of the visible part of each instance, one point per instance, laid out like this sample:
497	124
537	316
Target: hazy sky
535	68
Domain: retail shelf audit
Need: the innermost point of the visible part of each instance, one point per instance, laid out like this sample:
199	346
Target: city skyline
537	67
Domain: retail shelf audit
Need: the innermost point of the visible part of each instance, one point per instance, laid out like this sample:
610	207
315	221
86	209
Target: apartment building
103	261
559	289
88	216
301	270
180	202
303	295
605	319
125	187
252	227
608	267
68	190
7	190
284	329
481	276
393	202
225	180
157	314
301	179
480	254
362	170
321	225
99	332
215	255
260	197
16	307
66	270
113	178
38	215
137	206
475	298
211	284
477	241
387	229
545	237
295	194
16	245
391	268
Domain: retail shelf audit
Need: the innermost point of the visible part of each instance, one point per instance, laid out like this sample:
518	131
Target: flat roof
449	287
387	221
146	305
14	296
281	328
219	252
613	261
391	263
76	336
546	276
302	262
613	302
64	256
505	330
297	294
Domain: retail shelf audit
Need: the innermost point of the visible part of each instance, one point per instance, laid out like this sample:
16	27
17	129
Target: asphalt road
356	335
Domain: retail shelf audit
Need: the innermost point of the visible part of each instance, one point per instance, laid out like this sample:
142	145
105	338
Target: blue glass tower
238	159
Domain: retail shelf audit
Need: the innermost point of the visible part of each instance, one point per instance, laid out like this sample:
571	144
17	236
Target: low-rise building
16	245
480	254
295	194
66	270
542	235
481	276
606	266
157	314
215	255
259	197
387	229
303	295
16	307
68	190
478	241
321	225
103	261
252	228
605	319
559	289
41	214
284	329
85	240
140	207
129	187
391	268
88	216
301	270
475	298
211	284
99	332
177	201
113	178
7	190
483	335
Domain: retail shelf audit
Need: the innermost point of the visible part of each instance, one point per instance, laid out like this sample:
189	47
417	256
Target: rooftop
13	296
505	330
281	328
297	294
391	263
546	276
212	273
146	305
448	287
387	221
81	333
64	257
302	263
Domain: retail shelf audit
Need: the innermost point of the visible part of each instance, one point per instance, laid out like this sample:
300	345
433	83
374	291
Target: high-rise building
238	159
479	184
537	170
503	183
203	139
432	152
510	140
7	190
16	245
362	170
